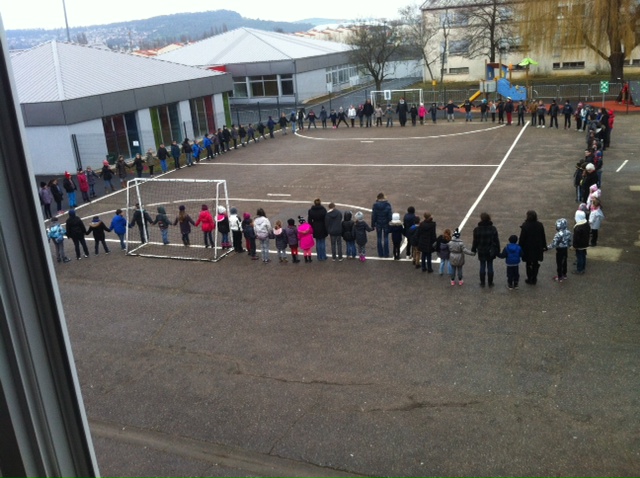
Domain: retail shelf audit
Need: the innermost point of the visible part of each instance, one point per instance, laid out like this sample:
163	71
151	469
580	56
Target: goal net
150	195
384	97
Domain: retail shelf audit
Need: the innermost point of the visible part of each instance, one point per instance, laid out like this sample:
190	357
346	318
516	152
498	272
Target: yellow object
475	95
434	83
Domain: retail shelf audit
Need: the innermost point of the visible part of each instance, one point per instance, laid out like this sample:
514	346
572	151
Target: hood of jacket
347	216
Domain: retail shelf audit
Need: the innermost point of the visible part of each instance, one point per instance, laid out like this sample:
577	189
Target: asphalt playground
239	368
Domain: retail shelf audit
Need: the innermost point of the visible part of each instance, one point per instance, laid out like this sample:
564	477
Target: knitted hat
513	238
233	210
359	216
456	233
182	208
95	219
580	216
67	174
105	162
246	215
395	217
291	221
590	167
72	213
221	210
205	207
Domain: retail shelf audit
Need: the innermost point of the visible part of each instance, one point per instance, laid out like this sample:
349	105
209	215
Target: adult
163	154
175	154
263	230
401	110
533	243
426	237
368	111
487	245
589	178
76	232
381	215
333	222
316	218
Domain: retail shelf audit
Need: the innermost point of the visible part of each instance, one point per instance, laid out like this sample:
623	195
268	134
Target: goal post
392	97
171	194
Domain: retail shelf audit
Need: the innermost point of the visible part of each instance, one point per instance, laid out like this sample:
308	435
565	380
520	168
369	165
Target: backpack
57	233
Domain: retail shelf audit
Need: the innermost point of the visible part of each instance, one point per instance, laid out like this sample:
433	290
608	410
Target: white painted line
495	174
634	189
395	138
622	165
276	194
348	165
366	141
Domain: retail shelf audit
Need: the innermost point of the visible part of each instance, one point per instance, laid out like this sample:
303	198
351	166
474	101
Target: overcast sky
18	14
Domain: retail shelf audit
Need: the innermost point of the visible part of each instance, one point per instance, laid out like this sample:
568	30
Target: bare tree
417	34
445	27
607	27
487	26
373	47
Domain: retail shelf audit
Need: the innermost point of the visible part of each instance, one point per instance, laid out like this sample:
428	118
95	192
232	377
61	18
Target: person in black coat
402	109
426	237
141	218
533	243
486	244
408	221
315	218
76	232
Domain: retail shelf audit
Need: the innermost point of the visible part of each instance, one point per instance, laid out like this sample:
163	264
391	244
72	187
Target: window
573	65
263	85
286	85
458	47
339	75
240	89
556	66
459	71
202	116
121	132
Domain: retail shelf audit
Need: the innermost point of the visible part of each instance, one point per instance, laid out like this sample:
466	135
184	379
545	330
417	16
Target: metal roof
58	71
247	45
442	4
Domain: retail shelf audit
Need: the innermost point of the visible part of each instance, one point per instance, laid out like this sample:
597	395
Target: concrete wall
143	117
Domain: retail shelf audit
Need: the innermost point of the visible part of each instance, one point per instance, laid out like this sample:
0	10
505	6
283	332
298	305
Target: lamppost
66	22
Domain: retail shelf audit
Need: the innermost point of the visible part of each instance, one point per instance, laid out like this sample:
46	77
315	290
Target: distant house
81	105
270	67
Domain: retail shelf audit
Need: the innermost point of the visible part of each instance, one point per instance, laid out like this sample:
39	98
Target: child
206	219
250	236
70	187
235	226
292	239
595	220
457	250
416	255
561	242
512	253
83	185
442	250
98	228
594	193
396	229
185	222
119	226
281	241
92	178
360	229
196	150
581	232
141	218
223	227
305	238
409	220
348	236
163	223
56	234
246	220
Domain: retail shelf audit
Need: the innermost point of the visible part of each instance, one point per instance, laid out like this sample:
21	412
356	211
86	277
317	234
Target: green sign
604	87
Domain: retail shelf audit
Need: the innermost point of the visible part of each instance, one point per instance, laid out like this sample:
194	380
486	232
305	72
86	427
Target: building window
459	71
286	85
340	75
264	85
556	66
202	116
240	89
166	123
458	47
121	135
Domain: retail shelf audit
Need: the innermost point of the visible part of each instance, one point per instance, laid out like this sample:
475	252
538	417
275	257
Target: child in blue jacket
512	253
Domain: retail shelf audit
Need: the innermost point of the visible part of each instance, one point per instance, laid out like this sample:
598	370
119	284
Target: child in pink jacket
305	238
208	225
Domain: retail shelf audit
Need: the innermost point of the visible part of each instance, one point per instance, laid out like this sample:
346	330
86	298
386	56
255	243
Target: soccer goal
392	97
150	194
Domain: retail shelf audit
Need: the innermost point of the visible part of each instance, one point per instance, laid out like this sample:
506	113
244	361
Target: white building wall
311	84
51	147
218	110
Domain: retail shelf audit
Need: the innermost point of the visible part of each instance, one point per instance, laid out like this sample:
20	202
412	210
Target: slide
506	89
475	95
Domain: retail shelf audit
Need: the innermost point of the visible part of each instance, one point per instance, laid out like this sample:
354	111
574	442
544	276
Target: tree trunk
616	62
